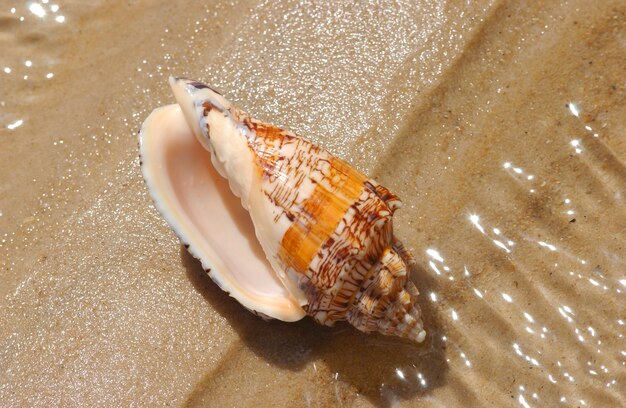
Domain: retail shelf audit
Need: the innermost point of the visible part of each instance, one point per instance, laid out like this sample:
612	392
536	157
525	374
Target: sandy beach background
501	125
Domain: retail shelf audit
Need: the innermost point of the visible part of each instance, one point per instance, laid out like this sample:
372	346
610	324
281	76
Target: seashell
324	235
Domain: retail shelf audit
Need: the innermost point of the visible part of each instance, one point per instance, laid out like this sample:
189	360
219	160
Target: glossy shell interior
209	220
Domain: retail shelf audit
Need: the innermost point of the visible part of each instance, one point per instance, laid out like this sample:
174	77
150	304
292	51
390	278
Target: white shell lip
198	205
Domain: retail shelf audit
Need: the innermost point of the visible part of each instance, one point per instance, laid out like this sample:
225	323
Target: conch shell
325	228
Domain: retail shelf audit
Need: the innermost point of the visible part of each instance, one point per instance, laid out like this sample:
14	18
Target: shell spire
325	227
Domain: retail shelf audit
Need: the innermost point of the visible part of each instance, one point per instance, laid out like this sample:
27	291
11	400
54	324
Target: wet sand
500	126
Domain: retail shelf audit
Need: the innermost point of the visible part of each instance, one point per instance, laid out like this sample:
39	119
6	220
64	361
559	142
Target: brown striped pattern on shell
340	241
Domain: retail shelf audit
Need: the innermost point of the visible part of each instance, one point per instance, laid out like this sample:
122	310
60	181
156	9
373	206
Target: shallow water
501	127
